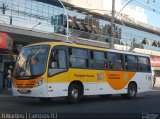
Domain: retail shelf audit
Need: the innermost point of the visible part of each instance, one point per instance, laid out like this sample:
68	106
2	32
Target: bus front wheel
45	99
73	93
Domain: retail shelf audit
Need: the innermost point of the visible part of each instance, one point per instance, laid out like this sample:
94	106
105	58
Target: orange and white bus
58	69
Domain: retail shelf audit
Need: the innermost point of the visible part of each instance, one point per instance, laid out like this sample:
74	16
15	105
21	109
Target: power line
153	3
145	6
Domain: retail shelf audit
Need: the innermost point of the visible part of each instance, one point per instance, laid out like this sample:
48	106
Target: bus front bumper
40	91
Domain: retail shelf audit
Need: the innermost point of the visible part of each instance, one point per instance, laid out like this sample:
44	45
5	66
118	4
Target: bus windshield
31	61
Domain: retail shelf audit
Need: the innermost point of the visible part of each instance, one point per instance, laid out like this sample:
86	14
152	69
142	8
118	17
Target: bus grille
25	85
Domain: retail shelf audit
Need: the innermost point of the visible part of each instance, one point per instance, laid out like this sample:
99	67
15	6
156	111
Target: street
144	103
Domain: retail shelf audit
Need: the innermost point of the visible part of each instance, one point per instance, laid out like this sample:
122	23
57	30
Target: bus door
57	65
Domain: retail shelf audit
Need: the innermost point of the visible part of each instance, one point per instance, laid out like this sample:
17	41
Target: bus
59	69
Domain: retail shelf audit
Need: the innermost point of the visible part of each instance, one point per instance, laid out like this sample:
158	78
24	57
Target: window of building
157	73
115	61
98	60
78	58
131	63
144	64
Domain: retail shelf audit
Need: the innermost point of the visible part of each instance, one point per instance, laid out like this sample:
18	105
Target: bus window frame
149	65
33	76
106	60
123	65
58	47
136	59
70	47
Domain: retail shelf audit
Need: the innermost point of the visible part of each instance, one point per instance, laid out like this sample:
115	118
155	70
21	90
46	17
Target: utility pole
112	25
66	13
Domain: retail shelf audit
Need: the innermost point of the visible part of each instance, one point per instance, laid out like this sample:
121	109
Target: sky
152	17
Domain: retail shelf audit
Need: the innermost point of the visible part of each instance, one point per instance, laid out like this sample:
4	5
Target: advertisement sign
155	61
6	42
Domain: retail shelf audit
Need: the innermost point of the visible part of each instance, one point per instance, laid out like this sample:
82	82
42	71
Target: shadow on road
87	99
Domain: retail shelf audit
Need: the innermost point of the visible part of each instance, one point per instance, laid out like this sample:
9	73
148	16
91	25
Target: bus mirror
34	60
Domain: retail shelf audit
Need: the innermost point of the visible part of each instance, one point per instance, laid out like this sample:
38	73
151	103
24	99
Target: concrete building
136	14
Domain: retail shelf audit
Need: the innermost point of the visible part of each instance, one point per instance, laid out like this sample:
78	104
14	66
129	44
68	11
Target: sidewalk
5	93
156	88
157	84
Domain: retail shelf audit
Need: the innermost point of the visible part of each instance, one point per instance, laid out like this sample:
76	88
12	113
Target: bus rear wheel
132	91
45	99
74	93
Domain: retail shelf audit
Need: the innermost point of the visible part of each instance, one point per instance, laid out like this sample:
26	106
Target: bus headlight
40	82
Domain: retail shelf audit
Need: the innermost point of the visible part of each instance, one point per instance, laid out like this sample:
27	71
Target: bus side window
106	65
126	62
110	65
116	61
98	60
118	65
58	59
144	64
140	66
78	58
54	59
58	62
131	62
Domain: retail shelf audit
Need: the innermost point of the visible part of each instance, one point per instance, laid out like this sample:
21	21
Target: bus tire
45	99
132	91
74	94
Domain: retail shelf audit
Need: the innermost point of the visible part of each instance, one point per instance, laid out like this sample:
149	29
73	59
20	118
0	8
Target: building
6	46
135	14
30	21
48	16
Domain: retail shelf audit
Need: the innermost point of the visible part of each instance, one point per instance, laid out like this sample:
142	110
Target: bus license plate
23	90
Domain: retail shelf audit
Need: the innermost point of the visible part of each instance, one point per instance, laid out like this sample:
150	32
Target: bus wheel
132	91
45	99
73	93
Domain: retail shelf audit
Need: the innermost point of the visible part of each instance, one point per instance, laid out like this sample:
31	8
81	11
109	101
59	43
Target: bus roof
85	46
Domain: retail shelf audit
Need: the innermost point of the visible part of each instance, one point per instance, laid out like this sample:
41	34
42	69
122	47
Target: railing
132	20
74	34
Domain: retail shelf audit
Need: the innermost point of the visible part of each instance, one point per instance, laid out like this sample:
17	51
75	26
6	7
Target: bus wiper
27	63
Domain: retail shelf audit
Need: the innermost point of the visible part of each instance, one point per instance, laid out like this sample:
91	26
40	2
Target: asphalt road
144	103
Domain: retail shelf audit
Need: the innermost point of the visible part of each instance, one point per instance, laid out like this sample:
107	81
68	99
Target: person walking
154	80
9	80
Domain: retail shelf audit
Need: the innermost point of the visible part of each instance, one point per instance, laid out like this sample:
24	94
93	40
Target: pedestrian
9	80
154	80
5	74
